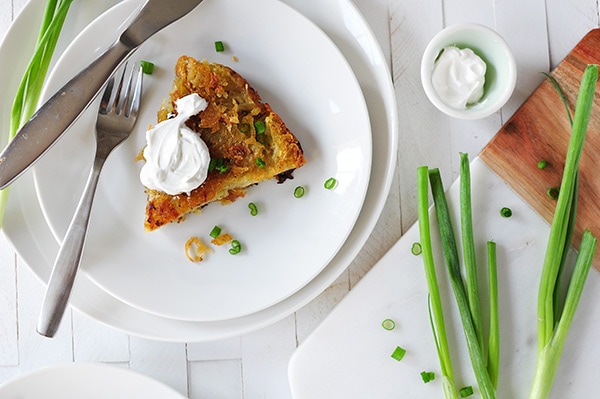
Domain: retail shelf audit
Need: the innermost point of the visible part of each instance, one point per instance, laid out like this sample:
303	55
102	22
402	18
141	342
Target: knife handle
58	113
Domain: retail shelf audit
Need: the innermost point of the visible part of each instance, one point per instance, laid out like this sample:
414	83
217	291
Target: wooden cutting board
540	130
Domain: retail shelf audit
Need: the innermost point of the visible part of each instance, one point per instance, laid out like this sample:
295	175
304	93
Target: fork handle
68	259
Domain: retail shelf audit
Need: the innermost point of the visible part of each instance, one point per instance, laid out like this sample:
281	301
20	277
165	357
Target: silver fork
115	122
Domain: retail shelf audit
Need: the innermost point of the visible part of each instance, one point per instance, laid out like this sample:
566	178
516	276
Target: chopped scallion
253	209
218	164
466	392
260	127
260	162
215	232
542	164
506	212
147	67
398	353
330	183
299	192
388	324
427	376
416	249
219	46
553	192
244	128
236	247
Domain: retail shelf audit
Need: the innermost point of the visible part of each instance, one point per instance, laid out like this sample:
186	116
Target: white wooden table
540	33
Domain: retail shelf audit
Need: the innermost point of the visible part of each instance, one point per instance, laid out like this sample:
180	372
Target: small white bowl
500	77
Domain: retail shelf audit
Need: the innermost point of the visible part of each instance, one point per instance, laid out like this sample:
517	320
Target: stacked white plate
336	96
86	380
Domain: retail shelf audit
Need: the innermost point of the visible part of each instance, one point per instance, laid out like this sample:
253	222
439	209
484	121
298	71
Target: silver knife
60	111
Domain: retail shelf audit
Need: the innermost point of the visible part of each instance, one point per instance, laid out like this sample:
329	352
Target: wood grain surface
540	130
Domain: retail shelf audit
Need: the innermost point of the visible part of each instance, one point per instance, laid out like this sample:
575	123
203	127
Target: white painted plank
94	342
423	138
8	373
478	11
36	351
9	355
265	355
568	22
164	361
531	52
225	349
5	16
221	379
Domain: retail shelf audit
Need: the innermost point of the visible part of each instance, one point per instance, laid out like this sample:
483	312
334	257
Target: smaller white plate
302	74
86	380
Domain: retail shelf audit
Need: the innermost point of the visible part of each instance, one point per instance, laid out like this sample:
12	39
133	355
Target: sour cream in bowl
468	71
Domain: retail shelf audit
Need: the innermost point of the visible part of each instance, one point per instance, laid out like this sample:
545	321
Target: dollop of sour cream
459	76
177	159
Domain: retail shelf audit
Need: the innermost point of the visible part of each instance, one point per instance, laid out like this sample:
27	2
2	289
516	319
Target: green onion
398	353
299	192
30	87
236	247
388	324
215	232
219	46
542	164
466	392
560	94
553	329
253	209
506	212
218	164
147	67
330	183
416	249
436	314
553	192
260	162
260	127
450	250
493	363
468	242
427	376
262	138
245	128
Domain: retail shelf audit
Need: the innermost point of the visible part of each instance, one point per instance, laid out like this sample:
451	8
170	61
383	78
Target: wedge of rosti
248	142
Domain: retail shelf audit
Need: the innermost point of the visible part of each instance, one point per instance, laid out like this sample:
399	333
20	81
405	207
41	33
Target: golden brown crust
227	126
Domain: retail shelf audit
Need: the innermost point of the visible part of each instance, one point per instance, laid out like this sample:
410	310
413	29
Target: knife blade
61	110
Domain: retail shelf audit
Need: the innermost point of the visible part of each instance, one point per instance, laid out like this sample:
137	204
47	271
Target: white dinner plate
300	72
86	380
28	231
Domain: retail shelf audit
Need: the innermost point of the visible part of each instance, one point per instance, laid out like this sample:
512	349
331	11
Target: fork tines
118	102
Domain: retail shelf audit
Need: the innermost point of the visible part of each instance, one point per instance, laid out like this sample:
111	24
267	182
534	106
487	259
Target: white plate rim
93	302
78	376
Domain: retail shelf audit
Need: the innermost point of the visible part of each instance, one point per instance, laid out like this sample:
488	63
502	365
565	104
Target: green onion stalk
475	348
554	321
28	93
468	243
436	314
